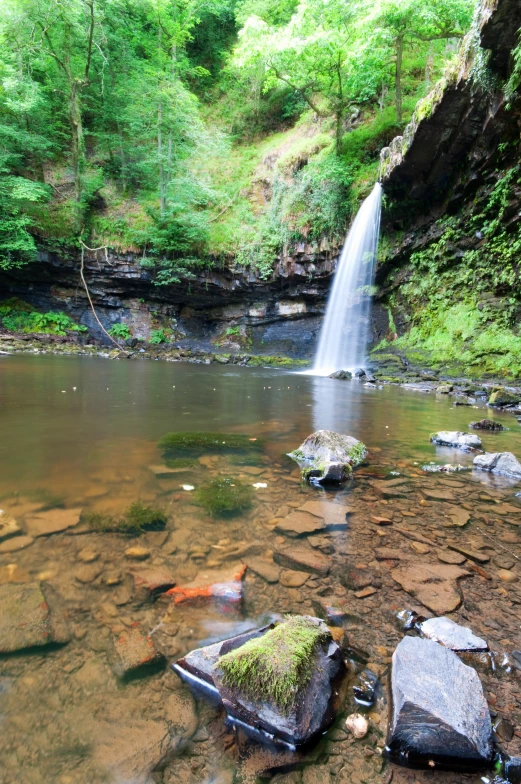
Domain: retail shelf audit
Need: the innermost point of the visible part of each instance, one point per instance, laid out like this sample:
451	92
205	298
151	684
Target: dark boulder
358	372
486	424
341	375
440	715
279	683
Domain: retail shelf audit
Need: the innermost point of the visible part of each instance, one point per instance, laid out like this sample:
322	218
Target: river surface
81	434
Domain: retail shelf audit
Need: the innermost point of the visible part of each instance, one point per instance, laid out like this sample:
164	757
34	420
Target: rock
137	553
444	389
469	553
449	557
506	576
456	438
504	729
223	585
326	456
434	585
458	516
504	397
357	725
364	689
334	515
486	424
135	652
355	579
365	592
294	715
389	554
438	494
8	526
27	620
358	373
265	569
342	375
152	582
300	524
421	549
291	579
16	543
335	610
303	559
52	521
130	748
88	573
452	635
440	714
88	556
163	472
499	463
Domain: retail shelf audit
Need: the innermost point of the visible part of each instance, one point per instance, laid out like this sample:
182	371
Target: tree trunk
77	136
398	78
338	131
160	141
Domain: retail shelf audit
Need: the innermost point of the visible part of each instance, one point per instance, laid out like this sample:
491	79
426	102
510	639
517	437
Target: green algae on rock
277	666
134	520
326	456
195	443
224	497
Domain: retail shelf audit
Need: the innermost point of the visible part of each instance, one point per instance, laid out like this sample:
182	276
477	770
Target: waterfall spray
345	331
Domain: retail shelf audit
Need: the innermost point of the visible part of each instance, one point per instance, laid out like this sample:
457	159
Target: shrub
120	331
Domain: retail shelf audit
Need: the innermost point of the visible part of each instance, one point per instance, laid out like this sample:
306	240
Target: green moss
179	462
137	519
224	497
262	361
277	666
173	444
358	453
248	459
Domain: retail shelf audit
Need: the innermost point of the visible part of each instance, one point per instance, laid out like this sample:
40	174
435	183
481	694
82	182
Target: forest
201	133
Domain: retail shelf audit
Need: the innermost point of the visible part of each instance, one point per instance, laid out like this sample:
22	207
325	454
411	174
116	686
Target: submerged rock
27	620
8	526
279	682
434	585
456	438
357	725
440	714
452	635
52	521
326	456
221	585
486	424
135	653
499	463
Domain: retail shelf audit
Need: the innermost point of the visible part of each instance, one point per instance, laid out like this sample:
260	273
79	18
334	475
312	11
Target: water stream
346	328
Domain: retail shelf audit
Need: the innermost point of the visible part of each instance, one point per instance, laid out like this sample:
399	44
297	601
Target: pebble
291	579
113	578
357	725
87	556
506	576
137	553
450	557
420	548
87	574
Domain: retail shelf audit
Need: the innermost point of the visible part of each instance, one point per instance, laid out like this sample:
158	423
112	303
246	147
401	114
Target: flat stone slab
8	526
456	439
450	557
452	635
292	579
499	463
458	516
263	568
334	515
389	554
300	523
134	651
52	521
151	582
303	559
438	494
164	472
219	584
474	555
440	714
26	619
434	585
16	543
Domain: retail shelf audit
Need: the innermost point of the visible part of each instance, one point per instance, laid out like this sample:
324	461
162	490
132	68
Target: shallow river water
81	434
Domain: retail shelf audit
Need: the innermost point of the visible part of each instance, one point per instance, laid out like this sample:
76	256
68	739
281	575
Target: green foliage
157	336
224	497
137	519
175	444
277	666
18	316
121	331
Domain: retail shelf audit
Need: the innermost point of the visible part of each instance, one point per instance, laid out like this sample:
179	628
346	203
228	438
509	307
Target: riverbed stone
440	713
303	559
27	620
16	543
499	463
434	585
135	651
328	457
292	579
486	424
457	439
450	557
222	585
504	397
263	568
334	515
52	521
452	635
8	526
341	375
152	581
299	523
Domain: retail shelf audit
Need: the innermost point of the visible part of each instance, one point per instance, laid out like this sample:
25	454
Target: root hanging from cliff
82	276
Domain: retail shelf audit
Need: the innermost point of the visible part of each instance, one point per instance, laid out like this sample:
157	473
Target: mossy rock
326	456
277	666
137	519
503	397
197	443
224	497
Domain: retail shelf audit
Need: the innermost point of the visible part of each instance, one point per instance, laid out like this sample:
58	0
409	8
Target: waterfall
345	331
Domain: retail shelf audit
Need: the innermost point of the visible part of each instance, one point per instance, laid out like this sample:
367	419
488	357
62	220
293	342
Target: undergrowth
18	316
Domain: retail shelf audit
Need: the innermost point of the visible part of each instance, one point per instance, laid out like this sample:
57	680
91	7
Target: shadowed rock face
440	714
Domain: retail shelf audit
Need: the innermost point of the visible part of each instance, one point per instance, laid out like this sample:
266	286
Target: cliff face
233	310
449	272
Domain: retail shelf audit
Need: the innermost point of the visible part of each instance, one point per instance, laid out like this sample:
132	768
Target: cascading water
345	331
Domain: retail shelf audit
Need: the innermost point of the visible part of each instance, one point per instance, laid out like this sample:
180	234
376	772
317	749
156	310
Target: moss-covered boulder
281	682
328	457
504	397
